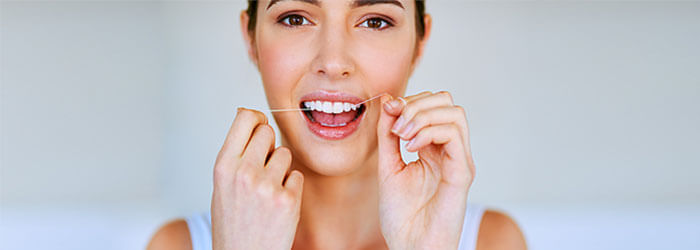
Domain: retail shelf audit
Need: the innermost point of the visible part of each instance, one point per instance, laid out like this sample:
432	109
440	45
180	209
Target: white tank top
200	228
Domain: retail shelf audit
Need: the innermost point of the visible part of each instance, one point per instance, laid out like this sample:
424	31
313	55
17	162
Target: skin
357	192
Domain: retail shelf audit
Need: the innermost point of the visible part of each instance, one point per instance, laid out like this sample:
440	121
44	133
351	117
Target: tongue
334	119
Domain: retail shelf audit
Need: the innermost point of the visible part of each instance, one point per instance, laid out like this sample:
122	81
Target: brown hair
420	12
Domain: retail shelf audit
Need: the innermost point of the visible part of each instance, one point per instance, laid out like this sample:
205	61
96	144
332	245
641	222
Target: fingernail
410	143
385	100
405	131
397	125
386	106
394	104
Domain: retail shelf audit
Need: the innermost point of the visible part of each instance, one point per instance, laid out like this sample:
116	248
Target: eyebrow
355	3
314	2
360	3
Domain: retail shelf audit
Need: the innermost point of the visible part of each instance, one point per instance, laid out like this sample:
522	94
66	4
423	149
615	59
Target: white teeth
327	107
330	107
309	105
332	125
337	107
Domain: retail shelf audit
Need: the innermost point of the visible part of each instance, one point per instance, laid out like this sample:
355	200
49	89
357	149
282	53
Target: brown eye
294	20
375	23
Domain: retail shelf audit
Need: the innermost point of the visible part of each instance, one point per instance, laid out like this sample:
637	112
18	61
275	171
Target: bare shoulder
499	231
173	235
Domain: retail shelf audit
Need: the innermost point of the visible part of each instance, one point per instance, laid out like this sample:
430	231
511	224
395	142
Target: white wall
82	96
209	75
574	102
584	115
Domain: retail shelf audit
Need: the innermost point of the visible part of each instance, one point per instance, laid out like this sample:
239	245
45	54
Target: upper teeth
330	107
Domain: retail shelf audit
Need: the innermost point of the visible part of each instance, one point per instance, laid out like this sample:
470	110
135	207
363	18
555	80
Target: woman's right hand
255	204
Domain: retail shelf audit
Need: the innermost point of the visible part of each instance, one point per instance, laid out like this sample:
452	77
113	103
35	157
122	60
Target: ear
249	41
428	24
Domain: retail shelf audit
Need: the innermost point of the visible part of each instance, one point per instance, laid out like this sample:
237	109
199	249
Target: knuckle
462	112
285	154
223	153
472	170
245	114
245	176
266	190
425	93
425	132
265	131
250	115
285	199
446	95
220	155
284	151
221	172
453	129
460	109
421	119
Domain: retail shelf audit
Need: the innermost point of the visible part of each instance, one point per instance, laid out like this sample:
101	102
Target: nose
333	60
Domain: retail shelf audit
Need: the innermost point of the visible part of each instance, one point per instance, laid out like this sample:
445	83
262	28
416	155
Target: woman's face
329	55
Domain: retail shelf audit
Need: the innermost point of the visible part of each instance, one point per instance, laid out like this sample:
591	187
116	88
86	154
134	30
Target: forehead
266	4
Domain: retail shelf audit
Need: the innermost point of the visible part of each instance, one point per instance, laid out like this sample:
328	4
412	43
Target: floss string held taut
306	109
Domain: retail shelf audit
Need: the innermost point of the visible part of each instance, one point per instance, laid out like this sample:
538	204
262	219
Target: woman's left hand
422	204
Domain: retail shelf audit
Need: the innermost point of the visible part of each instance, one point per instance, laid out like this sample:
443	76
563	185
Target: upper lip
323	95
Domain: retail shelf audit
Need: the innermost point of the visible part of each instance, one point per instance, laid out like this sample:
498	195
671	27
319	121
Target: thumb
388	144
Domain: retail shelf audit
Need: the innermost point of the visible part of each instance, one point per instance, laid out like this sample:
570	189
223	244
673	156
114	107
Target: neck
339	211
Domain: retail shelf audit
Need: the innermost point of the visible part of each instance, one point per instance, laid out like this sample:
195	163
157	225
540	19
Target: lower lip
333	133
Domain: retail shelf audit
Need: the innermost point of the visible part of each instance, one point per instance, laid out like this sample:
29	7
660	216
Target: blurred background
584	116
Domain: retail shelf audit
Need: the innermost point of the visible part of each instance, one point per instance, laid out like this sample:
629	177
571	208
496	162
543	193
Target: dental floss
306	109
285	110
403	100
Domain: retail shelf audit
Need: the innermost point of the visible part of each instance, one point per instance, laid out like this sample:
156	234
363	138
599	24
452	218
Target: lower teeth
360	110
333	125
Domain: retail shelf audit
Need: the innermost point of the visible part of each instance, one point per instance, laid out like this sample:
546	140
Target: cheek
386	65
281	65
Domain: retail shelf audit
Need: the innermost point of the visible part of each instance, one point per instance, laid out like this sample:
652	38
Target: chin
332	157
332	161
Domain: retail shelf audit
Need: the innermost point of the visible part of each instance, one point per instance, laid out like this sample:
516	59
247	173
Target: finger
417	96
278	164
396	105
240	132
260	145
435	116
446	135
295	183
440	99
388	144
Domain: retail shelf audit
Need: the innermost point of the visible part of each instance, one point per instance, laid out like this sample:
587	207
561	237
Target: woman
338	181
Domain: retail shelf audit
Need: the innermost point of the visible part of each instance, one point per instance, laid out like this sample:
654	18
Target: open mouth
332	114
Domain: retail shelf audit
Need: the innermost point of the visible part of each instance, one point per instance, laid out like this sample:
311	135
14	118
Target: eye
375	23
294	20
